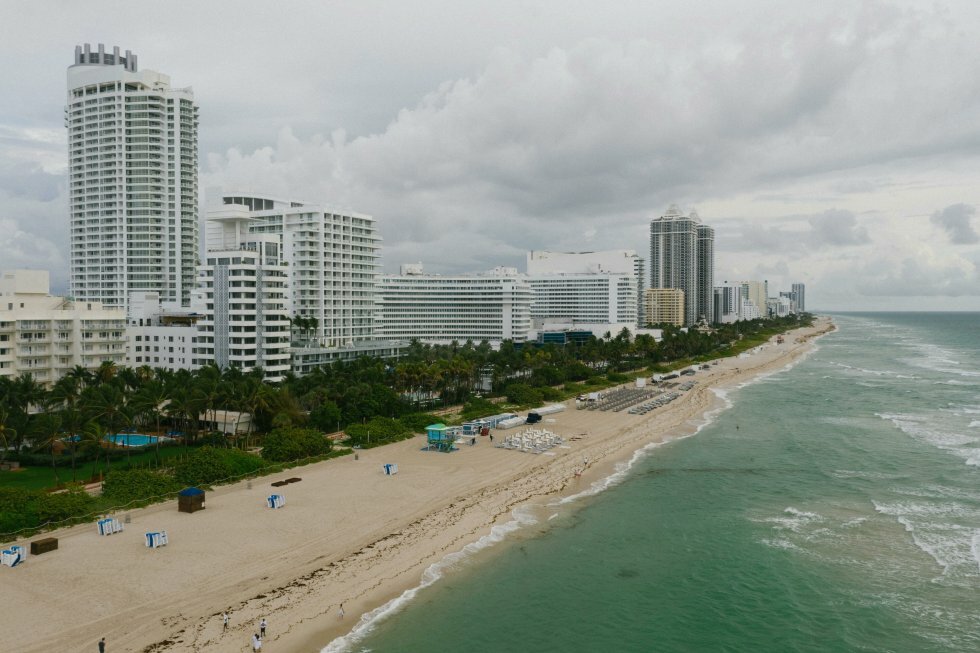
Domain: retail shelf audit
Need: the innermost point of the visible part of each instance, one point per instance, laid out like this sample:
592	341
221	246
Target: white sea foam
522	516
975	548
780	543
923	428
795	521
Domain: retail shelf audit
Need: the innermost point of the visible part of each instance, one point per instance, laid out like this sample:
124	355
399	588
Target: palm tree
256	397
47	428
106	372
7	433
92	438
150	401
109	406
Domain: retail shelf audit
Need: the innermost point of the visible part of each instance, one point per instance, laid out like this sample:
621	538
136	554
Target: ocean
831	506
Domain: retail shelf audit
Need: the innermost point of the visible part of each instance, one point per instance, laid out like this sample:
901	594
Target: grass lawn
43	477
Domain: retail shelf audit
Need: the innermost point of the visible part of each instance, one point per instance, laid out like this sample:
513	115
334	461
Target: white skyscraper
132	149
682	254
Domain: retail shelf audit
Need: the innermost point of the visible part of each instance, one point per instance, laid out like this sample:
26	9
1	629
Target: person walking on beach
256	642
491	437
102	645
224	620
262	625
340	613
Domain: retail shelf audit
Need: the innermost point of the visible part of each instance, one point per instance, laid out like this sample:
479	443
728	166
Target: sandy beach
348	535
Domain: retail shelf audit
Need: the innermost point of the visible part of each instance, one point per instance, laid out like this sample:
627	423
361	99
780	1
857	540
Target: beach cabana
190	499
154	540
276	501
109	526
441	437
13	556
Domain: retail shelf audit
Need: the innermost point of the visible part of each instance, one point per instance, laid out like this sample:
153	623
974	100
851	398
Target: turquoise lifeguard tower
441	437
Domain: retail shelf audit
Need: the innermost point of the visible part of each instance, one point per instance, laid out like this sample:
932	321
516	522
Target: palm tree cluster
75	415
89	405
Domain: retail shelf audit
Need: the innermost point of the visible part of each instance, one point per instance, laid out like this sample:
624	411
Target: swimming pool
131	439
135	439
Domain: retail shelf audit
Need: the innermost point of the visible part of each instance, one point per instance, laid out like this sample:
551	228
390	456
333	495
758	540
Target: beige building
665	306
47	336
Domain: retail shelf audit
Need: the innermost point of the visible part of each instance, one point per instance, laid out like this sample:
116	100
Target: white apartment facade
160	335
573	299
728	303
614	261
333	259
47	336
493	307
242	300
133	195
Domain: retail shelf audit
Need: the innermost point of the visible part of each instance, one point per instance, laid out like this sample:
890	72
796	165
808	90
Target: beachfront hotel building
606	300
46	336
332	259
682	257
615	261
132	180
665	306
241	299
493	306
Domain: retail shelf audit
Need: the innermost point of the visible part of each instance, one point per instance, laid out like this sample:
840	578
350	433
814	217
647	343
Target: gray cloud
543	126
955	221
837	228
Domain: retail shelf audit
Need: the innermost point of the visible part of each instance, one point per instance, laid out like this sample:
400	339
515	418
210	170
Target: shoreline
348	534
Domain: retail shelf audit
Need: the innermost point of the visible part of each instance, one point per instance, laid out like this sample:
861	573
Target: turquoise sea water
833	506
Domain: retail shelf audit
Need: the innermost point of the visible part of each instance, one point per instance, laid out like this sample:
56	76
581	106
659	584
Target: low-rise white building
750	311
493	306
160	334
46	336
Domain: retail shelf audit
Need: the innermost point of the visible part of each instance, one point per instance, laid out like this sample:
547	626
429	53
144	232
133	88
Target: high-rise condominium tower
799	295
682	253
132	149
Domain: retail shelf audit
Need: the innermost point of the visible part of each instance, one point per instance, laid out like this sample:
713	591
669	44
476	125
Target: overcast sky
833	143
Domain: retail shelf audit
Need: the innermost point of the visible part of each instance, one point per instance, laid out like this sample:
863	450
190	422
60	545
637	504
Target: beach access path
348	534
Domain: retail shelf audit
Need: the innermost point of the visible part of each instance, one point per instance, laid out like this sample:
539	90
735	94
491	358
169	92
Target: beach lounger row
13	556
618	400
156	540
109	526
531	441
276	501
645	408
